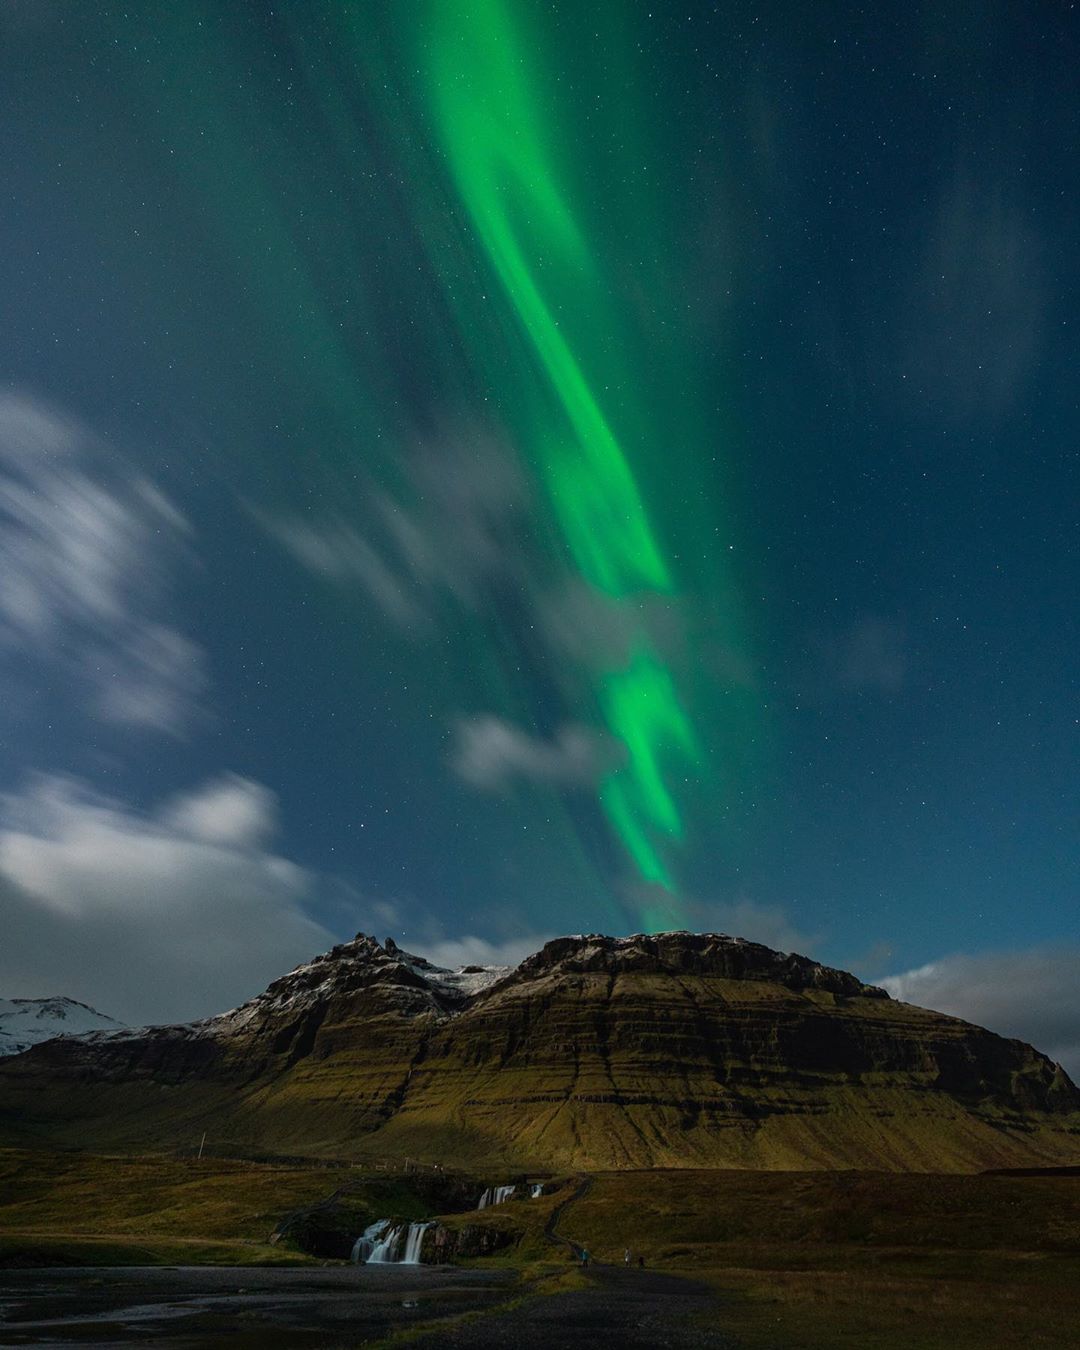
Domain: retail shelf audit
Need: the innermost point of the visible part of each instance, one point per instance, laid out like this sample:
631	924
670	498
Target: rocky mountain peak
668	1049
686	953
386	975
350	968
29	1021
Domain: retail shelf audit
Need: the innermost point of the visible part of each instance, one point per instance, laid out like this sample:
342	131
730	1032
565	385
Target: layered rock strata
679	1049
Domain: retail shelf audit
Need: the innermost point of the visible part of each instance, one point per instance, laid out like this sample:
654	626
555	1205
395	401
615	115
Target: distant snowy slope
26	1021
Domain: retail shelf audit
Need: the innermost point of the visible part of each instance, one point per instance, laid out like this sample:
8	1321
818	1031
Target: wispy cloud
231	811
337	552
174	913
86	552
491	753
771	925
973	314
1033	994
872	655
478	951
453	532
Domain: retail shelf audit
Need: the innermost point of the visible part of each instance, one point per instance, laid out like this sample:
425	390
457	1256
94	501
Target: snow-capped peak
28	1021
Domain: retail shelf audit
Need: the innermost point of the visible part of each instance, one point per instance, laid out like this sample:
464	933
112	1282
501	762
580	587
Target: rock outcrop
679	1049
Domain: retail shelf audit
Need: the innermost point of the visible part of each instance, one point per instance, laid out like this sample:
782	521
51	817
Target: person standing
626	1257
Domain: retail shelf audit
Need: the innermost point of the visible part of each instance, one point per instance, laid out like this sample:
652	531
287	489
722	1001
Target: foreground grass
80	1208
814	1260
536	1280
877	1261
996	1301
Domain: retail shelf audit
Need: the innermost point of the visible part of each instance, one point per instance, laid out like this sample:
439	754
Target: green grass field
152	1209
877	1261
815	1260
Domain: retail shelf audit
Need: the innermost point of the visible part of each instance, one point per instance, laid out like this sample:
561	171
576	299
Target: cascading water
371	1238
495	1195
384	1251
537	1191
379	1244
413	1242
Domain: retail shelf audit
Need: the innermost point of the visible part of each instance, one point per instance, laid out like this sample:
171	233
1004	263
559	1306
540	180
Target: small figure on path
584	1257
626	1257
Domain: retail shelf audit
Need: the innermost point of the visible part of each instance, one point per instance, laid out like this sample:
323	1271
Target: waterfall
414	1242
365	1244
385	1249
537	1191
495	1195
379	1244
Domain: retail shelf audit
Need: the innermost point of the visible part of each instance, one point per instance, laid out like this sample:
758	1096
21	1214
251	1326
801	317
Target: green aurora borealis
492	125
620	458
552	328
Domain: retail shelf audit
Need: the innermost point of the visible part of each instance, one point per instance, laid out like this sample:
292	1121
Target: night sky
476	470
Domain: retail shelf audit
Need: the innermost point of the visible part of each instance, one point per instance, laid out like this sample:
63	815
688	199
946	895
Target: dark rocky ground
639	1310
184	1308
236	1306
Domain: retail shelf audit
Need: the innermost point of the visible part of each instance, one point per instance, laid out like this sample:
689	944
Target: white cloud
336	551
172	914
770	925
154	678
1033	995
602	631
232	810
85	562
457	529
491	753
477	951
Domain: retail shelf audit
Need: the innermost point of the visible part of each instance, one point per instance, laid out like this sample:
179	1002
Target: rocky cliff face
673	1050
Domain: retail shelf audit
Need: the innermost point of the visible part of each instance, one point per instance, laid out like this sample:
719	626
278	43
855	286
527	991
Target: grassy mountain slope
678	1051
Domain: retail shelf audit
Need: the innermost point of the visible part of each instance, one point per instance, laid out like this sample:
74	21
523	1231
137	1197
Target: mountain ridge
674	1049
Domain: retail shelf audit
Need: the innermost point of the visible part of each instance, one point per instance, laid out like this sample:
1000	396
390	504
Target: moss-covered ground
81	1208
815	1260
877	1261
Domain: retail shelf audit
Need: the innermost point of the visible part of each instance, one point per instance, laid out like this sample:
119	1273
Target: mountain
679	1049
27	1021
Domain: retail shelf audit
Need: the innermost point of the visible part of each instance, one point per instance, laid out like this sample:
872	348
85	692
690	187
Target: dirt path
551	1228
636	1309
639	1309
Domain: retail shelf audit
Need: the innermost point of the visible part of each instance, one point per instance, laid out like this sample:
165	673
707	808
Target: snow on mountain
27	1021
467	980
